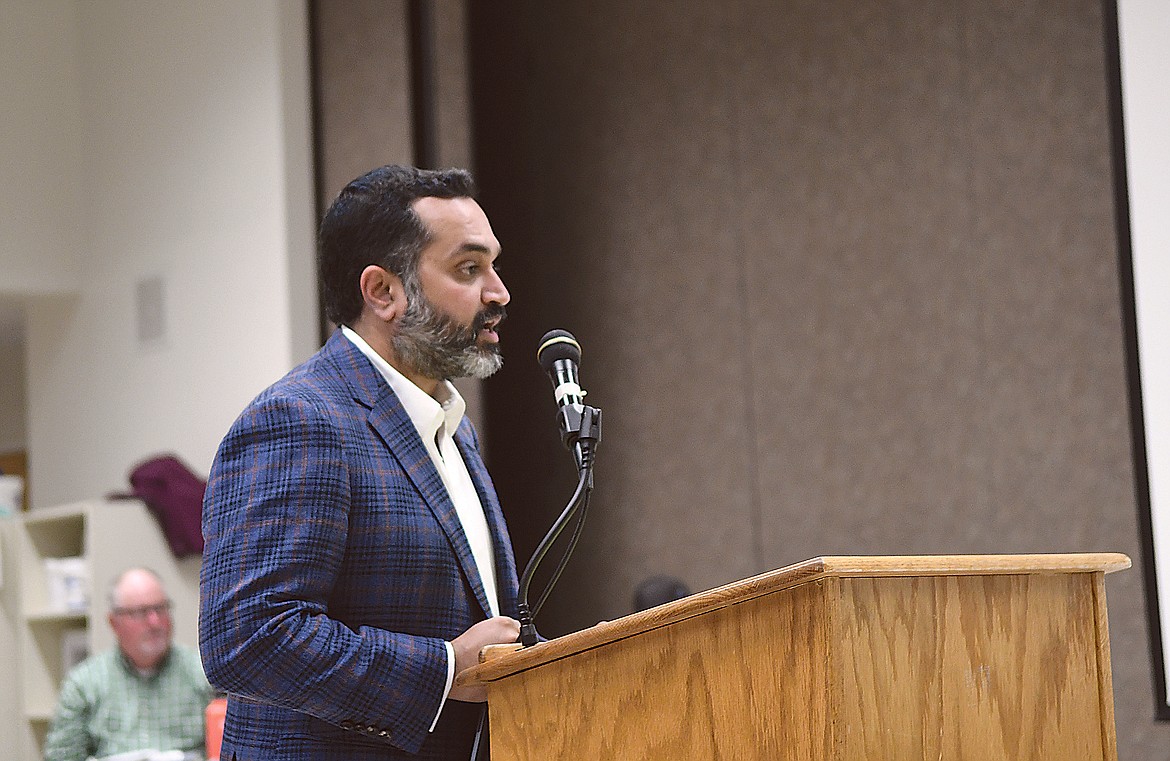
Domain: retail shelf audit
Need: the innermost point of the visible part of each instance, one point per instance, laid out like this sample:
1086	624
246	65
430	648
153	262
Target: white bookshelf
109	536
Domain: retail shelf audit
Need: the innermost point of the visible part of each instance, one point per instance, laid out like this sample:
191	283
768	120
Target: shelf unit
109	536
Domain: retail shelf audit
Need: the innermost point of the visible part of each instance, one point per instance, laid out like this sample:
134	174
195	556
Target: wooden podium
975	657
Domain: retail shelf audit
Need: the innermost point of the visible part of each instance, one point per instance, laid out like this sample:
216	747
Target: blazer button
347	724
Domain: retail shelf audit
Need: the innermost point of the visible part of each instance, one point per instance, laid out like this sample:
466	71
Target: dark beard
435	346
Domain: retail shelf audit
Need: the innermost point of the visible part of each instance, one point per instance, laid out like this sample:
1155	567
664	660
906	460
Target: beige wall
40	226
846	280
184	157
40	119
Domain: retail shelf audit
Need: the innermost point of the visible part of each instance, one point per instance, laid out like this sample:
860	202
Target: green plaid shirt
106	707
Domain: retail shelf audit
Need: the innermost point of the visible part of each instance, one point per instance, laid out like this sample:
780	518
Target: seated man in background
147	693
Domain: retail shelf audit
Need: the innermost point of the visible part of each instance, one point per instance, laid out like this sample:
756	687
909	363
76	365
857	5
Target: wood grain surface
741	683
996	667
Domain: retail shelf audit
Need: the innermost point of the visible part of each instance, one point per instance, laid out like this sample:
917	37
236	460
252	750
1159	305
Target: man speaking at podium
356	556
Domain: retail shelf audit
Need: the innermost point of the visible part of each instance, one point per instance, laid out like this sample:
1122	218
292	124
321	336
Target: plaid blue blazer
334	569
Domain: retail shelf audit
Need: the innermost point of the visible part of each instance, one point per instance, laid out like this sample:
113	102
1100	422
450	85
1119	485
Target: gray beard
435	346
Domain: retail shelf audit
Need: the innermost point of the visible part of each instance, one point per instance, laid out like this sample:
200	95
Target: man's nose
496	292
156	615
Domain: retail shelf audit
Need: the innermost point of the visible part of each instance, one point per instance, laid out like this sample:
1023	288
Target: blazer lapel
388	418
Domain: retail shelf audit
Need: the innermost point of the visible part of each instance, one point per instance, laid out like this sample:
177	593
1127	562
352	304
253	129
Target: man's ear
383	293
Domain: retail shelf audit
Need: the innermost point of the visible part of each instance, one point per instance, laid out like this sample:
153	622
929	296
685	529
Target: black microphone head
557	344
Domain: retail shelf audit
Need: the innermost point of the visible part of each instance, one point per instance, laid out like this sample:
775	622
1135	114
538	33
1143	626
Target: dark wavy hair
371	222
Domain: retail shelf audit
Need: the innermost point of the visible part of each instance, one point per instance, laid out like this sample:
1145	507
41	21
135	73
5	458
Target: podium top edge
504	660
965	565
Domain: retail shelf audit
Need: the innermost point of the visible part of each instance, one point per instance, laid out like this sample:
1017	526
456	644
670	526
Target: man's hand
500	630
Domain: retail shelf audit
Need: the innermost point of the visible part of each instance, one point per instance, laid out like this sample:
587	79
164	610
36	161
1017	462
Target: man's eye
469	269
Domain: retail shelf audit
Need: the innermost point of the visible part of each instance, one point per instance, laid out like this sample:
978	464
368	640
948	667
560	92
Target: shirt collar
428	413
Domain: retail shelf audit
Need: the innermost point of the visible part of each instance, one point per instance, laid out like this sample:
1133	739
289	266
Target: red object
174	495
213	727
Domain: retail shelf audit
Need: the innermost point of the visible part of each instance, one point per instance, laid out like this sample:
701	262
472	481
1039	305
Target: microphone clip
579	422
580	427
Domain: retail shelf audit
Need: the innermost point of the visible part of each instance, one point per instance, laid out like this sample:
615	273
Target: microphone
559	354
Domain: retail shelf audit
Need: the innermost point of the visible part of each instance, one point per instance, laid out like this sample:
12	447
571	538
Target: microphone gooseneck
560	354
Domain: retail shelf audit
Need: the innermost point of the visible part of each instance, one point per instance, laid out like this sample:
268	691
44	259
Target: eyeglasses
142	612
